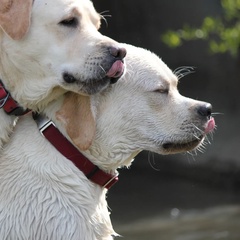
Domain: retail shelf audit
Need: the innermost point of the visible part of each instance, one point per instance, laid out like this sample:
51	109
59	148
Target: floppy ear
77	118
15	17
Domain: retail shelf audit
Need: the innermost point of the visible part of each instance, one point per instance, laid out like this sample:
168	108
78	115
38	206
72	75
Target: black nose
118	52
205	110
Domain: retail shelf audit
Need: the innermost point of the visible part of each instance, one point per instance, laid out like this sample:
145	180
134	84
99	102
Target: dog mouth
109	74
115	71
188	145
178	147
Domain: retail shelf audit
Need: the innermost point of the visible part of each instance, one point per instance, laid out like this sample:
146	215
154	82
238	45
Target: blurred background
184	197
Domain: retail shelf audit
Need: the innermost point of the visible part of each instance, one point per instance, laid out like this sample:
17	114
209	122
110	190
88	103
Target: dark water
212	223
152	205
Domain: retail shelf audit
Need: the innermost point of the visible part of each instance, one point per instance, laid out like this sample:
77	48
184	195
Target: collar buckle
48	130
43	123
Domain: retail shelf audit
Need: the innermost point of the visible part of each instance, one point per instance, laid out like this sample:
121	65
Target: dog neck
10	106
36	163
93	172
55	137
10	110
67	149
6	127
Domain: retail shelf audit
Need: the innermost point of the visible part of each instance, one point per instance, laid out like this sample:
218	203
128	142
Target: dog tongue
210	126
116	70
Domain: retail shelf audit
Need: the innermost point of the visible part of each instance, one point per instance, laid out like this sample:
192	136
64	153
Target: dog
50	47
44	195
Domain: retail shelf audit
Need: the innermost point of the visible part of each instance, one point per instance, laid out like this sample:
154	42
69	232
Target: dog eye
162	90
69	22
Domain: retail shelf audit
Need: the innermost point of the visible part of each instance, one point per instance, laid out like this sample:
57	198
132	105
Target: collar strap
10	106
56	138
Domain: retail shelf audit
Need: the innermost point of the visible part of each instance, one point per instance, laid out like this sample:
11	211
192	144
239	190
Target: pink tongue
116	70
210	126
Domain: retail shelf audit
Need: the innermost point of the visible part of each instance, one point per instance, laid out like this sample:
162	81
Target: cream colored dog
45	196
49	47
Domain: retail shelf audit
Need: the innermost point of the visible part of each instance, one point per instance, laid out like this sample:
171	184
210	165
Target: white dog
43	195
48	47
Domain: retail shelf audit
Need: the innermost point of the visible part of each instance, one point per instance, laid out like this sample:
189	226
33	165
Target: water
151	205
208	224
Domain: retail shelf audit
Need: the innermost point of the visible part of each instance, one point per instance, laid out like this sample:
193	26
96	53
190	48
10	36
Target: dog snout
117	52
204	110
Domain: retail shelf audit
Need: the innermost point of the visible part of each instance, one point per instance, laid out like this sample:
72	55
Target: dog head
143	111
50	44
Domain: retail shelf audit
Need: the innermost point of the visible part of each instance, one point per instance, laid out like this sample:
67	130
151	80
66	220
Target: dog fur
44	196
50	47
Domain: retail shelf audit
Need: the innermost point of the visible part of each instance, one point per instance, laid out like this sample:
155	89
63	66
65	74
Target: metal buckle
113	180
43	122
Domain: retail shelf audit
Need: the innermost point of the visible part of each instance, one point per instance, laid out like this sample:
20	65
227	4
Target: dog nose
118	52
205	110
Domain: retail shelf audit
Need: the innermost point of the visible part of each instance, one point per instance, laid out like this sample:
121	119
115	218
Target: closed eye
162	90
70	22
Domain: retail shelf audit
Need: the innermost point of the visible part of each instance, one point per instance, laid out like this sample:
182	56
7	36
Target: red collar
10	106
55	137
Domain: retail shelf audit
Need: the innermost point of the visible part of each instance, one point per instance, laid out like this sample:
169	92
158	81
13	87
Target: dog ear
77	118
15	17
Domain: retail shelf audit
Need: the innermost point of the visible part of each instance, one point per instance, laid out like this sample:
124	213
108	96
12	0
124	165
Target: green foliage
222	34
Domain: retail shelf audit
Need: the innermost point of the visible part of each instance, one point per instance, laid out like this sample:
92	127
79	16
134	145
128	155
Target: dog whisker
207	139
217	113
103	16
204	143
152	163
192	153
196	137
201	150
181	72
102	69
198	129
211	135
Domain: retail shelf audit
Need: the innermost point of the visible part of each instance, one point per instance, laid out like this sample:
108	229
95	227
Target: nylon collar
10	106
57	139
